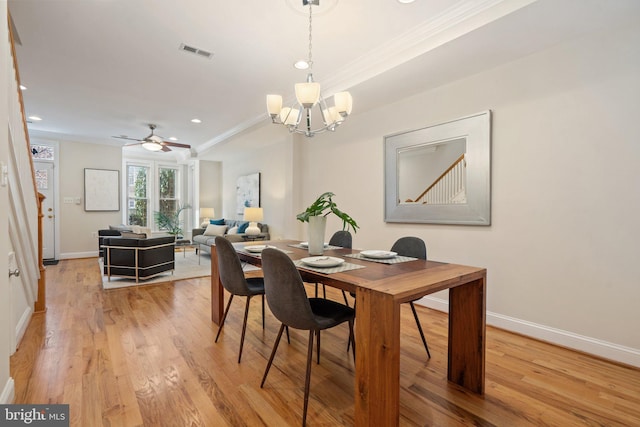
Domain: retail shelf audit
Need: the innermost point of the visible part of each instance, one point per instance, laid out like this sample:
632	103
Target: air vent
195	50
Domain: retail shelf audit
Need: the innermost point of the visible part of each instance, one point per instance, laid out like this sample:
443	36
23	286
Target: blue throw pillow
217	221
242	228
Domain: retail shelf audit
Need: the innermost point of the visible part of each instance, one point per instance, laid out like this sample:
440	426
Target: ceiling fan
153	142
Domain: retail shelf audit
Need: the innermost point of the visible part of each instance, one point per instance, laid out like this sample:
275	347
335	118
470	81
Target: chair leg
324	291
318	345
346	301
349	342
273	353
288	338
424	341
262	311
224	317
307	380
244	326
352	339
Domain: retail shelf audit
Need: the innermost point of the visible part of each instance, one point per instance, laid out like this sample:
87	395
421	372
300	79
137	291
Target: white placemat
329	247
395	260
259	254
345	266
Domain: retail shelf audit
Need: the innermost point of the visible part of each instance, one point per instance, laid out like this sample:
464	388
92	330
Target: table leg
467	335
217	291
377	387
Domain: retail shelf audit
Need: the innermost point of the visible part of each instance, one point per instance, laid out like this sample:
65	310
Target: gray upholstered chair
288	301
416	248
343	239
233	280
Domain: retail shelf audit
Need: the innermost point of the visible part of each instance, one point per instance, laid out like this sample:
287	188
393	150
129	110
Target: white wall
6	382
77	227
210	185
561	249
274	160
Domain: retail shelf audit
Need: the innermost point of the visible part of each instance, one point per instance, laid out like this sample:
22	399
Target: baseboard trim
8	392
21	327
607	350
74	255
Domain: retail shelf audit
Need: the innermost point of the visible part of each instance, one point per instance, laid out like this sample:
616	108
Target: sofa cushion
120	227
242	228
215	230
130	235
217	221
233	230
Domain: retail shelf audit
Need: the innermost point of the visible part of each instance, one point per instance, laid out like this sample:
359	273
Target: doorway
44	169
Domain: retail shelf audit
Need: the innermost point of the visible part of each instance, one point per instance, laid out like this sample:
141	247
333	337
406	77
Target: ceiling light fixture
298	117
35	118
196	121
23	87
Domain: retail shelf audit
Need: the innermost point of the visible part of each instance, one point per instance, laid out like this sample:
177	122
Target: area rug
187	267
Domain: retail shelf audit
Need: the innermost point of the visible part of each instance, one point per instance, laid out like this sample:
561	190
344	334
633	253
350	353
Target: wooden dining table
380	289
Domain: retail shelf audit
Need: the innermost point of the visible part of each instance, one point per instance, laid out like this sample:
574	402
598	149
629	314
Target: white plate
322	261
378	254
306	244
255	248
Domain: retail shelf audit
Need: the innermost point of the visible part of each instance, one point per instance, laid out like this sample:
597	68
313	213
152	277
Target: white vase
317	226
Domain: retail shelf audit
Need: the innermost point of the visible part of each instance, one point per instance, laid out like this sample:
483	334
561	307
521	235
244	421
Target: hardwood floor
146	356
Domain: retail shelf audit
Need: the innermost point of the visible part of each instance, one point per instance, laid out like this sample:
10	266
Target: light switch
68	200
5	174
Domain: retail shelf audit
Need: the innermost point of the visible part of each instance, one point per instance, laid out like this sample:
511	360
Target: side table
183	243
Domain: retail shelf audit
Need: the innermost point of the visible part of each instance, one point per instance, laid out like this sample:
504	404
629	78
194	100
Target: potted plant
316	216
170	221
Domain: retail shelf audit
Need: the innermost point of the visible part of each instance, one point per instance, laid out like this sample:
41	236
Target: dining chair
416	248
233	280
412	247
343	239
287	298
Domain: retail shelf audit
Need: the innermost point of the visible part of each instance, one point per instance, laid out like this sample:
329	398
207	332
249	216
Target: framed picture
247	192
101	190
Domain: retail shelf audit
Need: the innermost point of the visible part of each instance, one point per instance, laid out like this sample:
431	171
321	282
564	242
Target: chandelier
298	118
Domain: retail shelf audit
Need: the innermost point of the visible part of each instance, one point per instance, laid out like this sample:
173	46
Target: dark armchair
138	258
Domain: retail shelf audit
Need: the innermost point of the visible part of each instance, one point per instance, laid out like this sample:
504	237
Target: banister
453	165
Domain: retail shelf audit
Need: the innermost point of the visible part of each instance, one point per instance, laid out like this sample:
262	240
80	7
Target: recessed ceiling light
406	1
196	121
23	87
301	64
173	138
35	118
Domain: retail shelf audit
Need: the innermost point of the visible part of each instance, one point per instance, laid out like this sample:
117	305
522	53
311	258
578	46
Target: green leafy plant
323	206
169	221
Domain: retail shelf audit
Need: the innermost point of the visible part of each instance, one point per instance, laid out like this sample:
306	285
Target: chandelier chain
310	39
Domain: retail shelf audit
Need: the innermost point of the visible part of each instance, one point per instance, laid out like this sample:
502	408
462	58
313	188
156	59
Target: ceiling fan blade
165	148
132	144
176	144
126	137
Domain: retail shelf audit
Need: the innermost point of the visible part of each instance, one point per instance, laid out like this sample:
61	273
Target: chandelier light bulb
274	104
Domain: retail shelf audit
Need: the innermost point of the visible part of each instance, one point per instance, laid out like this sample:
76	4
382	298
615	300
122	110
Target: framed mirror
440	174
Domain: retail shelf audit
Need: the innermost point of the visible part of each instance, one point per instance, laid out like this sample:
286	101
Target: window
42	152
152	187
168	190
137	195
